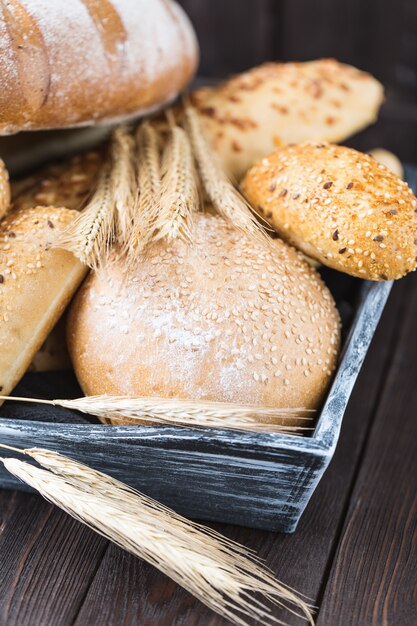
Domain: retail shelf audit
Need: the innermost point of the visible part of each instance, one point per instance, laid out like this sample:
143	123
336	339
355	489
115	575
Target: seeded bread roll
36	284
4	190
68	184
390	160
338	206
277	104
226	319
81	62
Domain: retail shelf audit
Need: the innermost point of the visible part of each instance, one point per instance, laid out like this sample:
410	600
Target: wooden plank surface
56	572
373	579
47	562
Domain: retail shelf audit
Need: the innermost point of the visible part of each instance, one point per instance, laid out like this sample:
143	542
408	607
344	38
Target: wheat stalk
124	186
178	194
186	413
148	172
221	574
90	234
224	196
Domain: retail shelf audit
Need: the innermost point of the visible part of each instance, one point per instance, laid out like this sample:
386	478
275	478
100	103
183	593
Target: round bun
224	319
338	206
80	62
276	104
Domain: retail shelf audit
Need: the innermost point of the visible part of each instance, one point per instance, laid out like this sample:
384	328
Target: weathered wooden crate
251	479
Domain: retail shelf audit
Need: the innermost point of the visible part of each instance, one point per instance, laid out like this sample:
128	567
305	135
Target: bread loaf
277	104
338	206
227	319
36	284
80	62
68	184
4	190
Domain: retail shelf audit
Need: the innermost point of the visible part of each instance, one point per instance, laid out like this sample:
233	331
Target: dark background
379	36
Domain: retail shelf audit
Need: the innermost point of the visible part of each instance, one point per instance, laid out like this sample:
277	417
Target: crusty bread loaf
338	206
36	284
228	319
4	190
277	104
68	184
79	62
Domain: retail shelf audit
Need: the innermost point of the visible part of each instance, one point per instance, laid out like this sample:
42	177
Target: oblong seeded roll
36	284
276	104
338	206
224	319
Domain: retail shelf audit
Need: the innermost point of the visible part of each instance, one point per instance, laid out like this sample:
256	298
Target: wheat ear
124	185
224	196
90	234
187	413
221	574
178	195
148	172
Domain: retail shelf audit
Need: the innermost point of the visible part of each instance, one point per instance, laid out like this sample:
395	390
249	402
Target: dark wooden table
354	552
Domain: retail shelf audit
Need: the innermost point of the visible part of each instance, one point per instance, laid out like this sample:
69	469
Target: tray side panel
269	491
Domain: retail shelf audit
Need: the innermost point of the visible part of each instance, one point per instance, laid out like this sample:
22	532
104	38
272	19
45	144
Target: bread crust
67	184
277	104
225	320
89	61
36	285
338	206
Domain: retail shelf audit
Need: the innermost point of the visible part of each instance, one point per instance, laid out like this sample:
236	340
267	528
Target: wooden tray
251	479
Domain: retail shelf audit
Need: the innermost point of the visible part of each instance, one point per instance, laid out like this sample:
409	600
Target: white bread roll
36	284
338	206
227	319
79	62
277	104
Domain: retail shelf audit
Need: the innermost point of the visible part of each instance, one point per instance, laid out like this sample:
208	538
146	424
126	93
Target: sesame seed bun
277	104
225	319
338	206
67	184
36	285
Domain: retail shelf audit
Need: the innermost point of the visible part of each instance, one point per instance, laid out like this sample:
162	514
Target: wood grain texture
47	562
373	578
